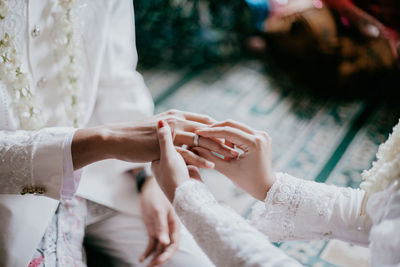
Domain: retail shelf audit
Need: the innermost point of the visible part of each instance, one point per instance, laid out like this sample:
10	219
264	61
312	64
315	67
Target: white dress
294	209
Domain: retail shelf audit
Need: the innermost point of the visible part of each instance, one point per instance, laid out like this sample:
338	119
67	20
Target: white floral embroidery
386	169
222	233
19	83
289	199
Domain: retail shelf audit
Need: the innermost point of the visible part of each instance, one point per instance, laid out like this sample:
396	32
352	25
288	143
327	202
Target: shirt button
24	191
35	31
42	82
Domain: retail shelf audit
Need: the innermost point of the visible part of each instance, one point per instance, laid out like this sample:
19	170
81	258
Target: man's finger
213	144
201	118
191	158
151	245
158	251
204	153
194	173
218	148
174	227
165	256
161	229
169	251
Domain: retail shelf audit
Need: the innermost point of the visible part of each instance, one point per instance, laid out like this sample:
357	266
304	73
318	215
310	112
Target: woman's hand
161	222
252	170
138	142
170	170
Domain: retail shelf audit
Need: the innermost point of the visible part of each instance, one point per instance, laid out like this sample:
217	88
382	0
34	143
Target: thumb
165	139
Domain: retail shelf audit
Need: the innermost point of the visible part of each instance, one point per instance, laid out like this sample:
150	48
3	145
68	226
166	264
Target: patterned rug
317	139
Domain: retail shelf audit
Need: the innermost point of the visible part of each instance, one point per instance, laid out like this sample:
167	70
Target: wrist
89	145
148	184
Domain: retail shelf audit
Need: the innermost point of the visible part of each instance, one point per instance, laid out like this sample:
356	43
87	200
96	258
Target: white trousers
123	238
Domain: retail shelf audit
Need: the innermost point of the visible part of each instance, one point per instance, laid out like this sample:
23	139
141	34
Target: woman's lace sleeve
223	234
32	161
296	209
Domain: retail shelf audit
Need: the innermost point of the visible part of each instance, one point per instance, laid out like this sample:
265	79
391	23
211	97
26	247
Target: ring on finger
196	140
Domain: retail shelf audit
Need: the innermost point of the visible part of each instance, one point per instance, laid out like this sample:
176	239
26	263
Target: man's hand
161	223
138	142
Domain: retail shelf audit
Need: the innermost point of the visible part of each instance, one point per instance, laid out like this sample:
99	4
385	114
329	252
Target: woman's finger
233	135
165	139
191	158
234	124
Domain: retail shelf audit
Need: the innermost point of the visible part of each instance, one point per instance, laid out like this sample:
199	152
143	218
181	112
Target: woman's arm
223	235
293	208
296	209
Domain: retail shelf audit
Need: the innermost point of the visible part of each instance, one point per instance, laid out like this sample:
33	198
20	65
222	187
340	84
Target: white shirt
113	91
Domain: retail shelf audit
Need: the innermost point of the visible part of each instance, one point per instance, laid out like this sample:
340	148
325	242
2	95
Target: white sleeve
71	178
30	160
224	236
122	94
296	209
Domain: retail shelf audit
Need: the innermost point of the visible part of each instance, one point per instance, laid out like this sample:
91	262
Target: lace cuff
296	209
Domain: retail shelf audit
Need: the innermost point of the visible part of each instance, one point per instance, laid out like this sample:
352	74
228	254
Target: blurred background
321	77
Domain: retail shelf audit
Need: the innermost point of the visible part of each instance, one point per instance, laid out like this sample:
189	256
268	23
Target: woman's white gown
294	209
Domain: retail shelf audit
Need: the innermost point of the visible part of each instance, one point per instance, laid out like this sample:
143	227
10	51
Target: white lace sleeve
31	160
223	234
296	209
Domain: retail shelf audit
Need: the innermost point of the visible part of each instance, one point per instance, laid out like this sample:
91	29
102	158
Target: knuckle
225	129
198	160
265	136
172	120
157	212
185	153
172	112
229	121
209	119
162	137
258	140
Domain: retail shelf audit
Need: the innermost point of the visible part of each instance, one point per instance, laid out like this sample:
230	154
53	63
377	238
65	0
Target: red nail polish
160	124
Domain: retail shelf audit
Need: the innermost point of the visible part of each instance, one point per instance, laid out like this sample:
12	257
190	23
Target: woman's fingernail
160	124
209	164
234	153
